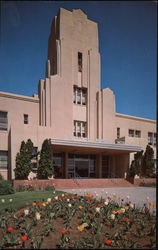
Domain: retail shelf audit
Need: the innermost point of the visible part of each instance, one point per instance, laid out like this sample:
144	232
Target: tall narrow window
3	160
138	133
150	138
79	61
118	133
84	96
3	120
154	139
80	129
26	119
80	95
131	133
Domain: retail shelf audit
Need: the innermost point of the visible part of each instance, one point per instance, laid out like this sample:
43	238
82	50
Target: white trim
98	144
135	117
19	97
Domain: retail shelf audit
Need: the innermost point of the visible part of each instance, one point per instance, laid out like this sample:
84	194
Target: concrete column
66	164
99	165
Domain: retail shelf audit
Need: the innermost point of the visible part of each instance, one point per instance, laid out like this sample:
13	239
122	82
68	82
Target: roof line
135	117
96	144
19	97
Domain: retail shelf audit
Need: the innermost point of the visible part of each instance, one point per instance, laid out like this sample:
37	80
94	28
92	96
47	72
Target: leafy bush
20	188
148	162
150	184
49	188
6	187
1	177
45	168
30	188
23	160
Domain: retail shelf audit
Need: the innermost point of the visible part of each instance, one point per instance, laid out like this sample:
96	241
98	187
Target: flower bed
72	221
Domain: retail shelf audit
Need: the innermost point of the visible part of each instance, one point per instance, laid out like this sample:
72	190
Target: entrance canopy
94	146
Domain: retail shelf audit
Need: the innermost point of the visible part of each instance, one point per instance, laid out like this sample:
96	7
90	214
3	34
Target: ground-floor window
105	166
3	160
81	166
58	164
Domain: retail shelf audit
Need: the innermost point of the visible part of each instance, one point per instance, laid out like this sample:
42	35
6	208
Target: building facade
89	139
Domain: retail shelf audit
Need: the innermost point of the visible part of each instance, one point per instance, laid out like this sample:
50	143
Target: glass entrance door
81	168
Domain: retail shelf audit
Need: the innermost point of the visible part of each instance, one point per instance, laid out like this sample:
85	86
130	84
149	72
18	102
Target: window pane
3	159
3	120
131	132
118	133
138	133
79	62
26	119
154	138
150	138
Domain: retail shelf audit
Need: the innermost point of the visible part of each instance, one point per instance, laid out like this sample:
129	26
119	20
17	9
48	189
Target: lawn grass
19	199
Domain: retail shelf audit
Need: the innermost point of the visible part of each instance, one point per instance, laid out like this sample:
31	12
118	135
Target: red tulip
108	242
10	229
24	238
63	231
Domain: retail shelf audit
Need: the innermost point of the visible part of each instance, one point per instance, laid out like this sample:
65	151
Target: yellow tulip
80	228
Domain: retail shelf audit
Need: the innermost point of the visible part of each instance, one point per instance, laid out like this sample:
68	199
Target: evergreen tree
45	168
148	162
136	165
23	160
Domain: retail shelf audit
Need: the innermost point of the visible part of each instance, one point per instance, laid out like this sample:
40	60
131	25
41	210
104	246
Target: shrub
20	188
148	162
23	160
30	188
45	168
49	188
6	187
136	165
1	177
150	184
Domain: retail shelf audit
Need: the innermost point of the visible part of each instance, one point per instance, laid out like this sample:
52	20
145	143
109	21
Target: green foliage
1	177
136	165
45	168
6	187
49	188
148	162
20	188
23	160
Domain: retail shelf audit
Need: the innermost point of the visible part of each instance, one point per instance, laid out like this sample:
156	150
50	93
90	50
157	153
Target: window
3	120
154	139
80	129
118	133
79	61
35	150
34	153
131	132
4	160
26	119
84	96
137	133
150	138
80	95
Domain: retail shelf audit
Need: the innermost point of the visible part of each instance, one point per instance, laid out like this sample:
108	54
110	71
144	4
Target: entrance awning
97	146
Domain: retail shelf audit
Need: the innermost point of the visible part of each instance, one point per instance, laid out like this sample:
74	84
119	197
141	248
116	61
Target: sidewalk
138	195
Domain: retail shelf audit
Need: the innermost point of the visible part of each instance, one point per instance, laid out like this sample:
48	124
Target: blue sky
127	44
